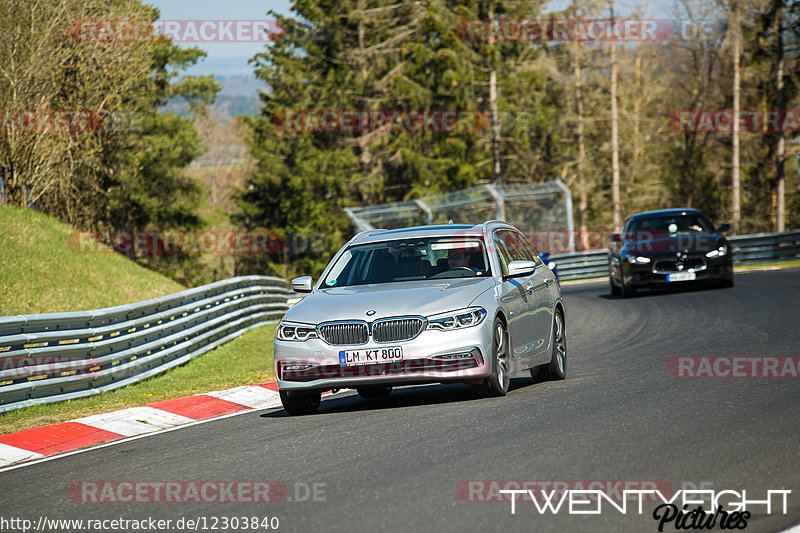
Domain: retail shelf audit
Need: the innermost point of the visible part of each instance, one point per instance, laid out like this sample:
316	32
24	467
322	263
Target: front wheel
556	369
614	288
498	381
626	290
300	403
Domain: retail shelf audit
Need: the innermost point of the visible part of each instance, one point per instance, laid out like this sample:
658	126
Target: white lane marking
135	420
121	441
146	435
12	454
249	395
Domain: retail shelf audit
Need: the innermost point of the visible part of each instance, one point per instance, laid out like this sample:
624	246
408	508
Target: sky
223	58
230	58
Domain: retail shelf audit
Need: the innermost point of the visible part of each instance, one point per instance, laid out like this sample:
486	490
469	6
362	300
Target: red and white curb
45	441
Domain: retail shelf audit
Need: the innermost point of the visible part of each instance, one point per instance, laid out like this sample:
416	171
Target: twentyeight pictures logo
681	509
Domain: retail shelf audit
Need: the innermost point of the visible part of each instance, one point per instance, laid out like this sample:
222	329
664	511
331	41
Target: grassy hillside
39	273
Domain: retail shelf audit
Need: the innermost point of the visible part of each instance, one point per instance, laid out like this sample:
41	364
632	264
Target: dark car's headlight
288	331
463	318
719	252
637	259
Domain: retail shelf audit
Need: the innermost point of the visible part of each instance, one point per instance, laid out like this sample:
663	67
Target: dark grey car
671	247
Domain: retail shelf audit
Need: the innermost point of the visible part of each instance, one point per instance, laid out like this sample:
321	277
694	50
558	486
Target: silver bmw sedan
431	304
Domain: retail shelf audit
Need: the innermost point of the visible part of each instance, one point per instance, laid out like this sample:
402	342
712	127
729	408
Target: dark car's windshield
662	225
408	260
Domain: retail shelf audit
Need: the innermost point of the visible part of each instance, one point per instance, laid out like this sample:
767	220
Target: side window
502	253
514	245
529	250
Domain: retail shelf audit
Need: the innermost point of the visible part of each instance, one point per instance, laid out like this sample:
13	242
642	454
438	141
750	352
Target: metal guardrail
58	356
747	249
762	247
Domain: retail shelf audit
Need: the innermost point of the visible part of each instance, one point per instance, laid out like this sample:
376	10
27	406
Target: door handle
548	281
529	288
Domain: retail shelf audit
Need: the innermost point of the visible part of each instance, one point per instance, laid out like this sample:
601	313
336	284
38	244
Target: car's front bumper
422	361
646	276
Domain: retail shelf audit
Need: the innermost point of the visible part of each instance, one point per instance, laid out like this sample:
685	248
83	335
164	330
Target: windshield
663	225
409	260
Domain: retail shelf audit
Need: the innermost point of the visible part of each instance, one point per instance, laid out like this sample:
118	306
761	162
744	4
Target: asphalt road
396	464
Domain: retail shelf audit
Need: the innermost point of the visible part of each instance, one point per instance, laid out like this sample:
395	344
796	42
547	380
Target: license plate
681	276
373	356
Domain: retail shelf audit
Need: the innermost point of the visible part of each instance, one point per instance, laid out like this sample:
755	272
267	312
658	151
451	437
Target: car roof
675	211
439	230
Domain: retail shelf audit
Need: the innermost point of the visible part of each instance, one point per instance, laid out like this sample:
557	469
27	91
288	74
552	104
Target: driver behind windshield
458	257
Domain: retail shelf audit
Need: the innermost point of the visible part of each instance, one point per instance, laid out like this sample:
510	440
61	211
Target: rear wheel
498	381
556	369
378	391
300	403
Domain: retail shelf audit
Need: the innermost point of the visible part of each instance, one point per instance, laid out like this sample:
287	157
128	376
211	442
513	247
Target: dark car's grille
680	265
342	333
396	329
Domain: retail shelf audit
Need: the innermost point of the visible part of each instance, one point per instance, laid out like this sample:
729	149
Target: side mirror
616	237
302	284
722	228
520	268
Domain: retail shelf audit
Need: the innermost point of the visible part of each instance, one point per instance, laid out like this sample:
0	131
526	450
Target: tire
728	283
626	291
376	391
498	381
614	288
300	403
556	369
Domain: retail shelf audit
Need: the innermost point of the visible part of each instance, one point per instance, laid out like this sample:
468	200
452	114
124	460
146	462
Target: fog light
297	367
453	356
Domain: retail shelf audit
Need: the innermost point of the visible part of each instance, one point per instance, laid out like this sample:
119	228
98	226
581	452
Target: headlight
464	318
637	259
719	252
288	331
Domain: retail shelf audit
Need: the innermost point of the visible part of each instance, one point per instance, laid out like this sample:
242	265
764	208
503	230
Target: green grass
42	269
246	360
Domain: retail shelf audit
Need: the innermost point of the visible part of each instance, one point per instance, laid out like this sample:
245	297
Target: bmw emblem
370	312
